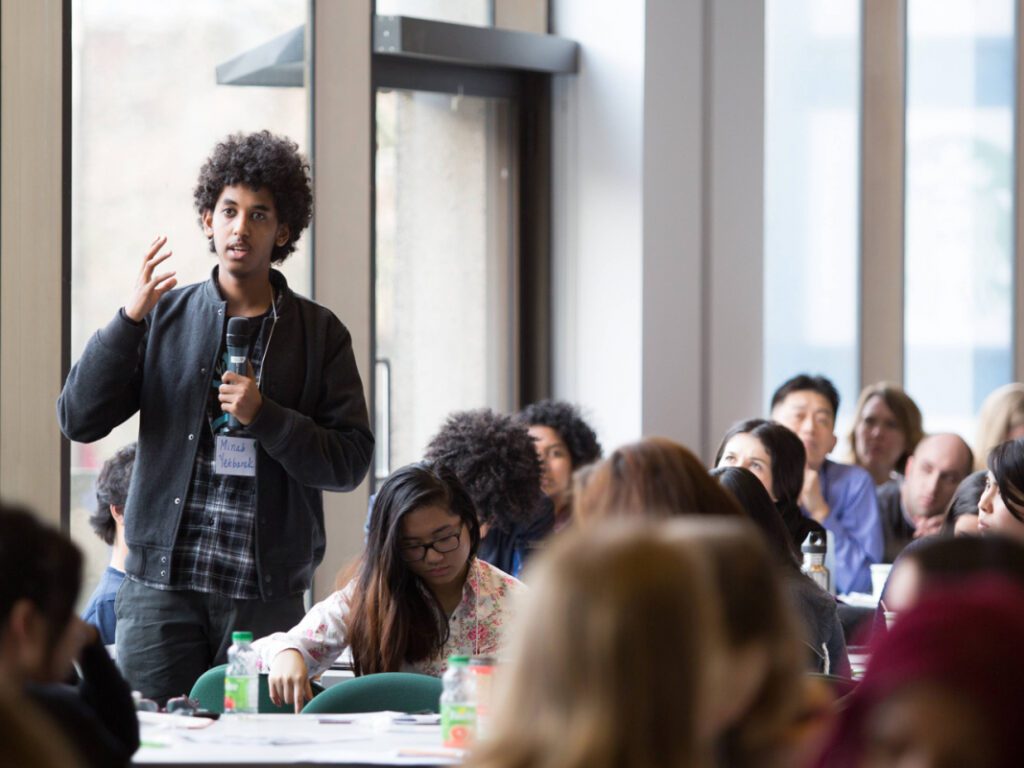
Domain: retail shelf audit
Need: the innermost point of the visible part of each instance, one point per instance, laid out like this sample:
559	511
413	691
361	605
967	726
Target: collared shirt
477	626
100	610
854	521
215	550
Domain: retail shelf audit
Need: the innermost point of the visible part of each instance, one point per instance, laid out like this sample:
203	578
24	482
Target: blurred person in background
886	430
495	460
841	497
915	505
777	457
1000	418
565	442
107	522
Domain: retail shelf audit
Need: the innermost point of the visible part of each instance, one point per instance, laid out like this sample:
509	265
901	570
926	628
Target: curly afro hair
496	461
565	419
260	160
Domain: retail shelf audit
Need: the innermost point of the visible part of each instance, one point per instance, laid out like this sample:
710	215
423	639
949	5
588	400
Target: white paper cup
879	575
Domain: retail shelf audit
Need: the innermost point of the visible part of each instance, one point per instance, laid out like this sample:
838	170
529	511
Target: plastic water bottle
241	678
813	550
458	704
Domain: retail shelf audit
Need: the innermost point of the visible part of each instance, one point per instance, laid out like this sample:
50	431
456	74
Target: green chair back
209	692
394	691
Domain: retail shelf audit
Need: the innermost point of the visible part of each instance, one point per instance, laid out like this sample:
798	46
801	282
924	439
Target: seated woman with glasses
419	596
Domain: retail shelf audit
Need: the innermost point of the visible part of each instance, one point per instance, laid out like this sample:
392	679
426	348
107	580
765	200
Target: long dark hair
39	564
786	449
755	501
395	617
1006	462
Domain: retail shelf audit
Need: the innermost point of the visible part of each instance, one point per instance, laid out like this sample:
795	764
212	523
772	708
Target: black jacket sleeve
98	715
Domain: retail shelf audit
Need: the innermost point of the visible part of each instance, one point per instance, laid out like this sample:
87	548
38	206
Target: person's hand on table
289	680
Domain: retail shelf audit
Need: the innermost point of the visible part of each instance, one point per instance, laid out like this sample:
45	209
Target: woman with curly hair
565	442
420	594
224	519
495	460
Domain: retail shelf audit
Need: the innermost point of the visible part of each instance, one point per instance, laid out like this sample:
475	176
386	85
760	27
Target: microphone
238	355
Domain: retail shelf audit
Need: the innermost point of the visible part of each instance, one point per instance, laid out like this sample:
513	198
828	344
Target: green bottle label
241	694
458	724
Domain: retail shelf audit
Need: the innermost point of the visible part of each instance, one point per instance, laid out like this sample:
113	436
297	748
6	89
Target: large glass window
147	110
959	206
812	156
445	289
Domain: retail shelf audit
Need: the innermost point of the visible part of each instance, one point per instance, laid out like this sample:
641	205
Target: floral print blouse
478	625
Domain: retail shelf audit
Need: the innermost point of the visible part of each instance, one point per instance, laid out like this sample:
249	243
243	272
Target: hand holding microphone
239	396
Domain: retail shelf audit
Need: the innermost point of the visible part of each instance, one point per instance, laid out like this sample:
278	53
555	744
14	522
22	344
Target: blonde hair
609	666
755	610
903	407
1002	411
655	477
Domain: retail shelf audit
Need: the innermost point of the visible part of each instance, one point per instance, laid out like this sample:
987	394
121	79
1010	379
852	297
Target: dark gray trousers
167	639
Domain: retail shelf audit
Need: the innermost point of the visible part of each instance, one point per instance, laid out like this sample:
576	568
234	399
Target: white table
291	740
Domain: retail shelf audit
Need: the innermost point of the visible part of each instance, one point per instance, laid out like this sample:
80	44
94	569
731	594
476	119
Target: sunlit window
959	206
812	156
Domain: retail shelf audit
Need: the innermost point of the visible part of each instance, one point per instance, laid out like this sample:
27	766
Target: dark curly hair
260	160
565	419
112	490
495	460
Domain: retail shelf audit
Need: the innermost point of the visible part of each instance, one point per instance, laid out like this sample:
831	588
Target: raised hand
149	287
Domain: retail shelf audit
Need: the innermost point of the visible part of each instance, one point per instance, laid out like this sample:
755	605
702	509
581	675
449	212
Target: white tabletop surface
290	740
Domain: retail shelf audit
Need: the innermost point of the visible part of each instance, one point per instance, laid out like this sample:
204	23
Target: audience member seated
886	430
1001	507
565	442
759	695
839	496
777	457
615	659
40	637
496	461
962	519
1000	418
420	594
655	477
915	506
942	688
108	523
823	631
941	563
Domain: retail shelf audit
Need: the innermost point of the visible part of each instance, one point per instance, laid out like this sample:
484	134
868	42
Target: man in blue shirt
839	496
108	523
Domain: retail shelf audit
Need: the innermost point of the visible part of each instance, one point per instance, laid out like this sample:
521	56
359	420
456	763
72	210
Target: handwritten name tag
235	456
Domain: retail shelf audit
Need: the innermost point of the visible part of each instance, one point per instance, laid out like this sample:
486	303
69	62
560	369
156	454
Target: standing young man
224	524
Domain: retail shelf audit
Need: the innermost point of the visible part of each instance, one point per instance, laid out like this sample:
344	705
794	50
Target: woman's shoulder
491	580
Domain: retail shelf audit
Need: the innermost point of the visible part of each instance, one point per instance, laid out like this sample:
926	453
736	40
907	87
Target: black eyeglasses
416	552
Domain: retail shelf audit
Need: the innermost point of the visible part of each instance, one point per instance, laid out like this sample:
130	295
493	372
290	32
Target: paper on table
164	720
